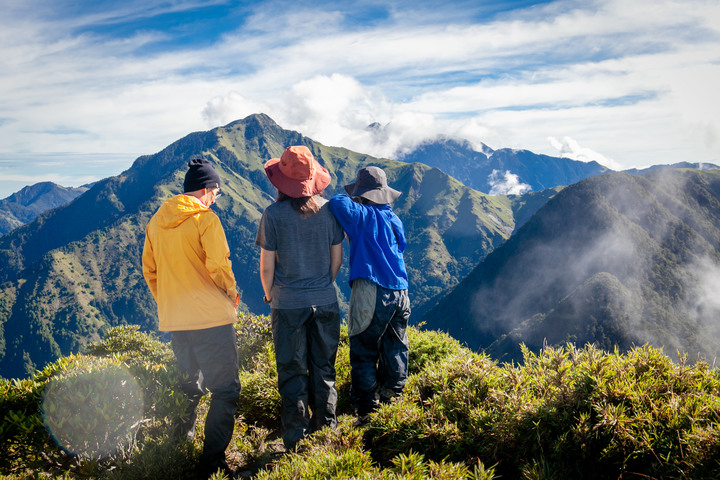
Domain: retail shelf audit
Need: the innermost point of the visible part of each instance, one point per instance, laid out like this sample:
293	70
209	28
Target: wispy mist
636	256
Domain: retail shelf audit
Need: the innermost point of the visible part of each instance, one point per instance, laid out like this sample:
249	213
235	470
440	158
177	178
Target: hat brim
296	188
381	195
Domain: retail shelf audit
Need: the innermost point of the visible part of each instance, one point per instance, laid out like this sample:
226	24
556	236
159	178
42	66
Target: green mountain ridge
75	271
478	169
25	205
615	260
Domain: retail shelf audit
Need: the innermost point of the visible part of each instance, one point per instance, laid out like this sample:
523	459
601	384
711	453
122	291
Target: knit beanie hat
200	174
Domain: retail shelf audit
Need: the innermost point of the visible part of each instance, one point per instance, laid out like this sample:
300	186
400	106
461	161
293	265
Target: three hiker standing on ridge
186	265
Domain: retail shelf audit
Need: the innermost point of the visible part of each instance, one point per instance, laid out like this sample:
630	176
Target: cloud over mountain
632	81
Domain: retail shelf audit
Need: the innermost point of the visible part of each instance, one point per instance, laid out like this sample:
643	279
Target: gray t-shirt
303	277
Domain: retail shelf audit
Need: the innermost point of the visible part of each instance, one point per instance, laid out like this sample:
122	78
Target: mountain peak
256	119
27	204
30	193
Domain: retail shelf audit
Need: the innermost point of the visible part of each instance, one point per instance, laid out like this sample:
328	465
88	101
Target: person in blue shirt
379	303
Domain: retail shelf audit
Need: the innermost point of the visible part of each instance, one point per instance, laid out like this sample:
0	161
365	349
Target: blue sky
88	86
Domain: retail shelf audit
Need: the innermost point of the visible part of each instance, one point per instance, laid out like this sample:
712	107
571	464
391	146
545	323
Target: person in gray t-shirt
300	254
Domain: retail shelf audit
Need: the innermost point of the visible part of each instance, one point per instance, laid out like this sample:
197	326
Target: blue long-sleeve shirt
377	242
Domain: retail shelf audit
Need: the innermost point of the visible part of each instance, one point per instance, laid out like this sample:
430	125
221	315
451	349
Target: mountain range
615	260
503	171
495	172
25	205
74	271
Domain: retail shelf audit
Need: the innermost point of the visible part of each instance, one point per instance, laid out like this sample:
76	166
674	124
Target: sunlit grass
566	412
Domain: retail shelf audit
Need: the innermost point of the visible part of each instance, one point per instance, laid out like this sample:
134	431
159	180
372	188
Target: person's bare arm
267	271
336	253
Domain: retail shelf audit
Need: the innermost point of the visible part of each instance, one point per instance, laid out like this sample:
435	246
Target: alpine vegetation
566	412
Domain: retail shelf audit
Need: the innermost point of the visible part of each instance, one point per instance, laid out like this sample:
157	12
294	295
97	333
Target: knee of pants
228	394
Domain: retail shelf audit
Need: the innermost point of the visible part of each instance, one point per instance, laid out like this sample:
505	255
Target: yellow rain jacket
186	265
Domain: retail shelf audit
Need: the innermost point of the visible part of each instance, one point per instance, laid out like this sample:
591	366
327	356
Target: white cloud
636	80
506	183
569	148
329	108
223	109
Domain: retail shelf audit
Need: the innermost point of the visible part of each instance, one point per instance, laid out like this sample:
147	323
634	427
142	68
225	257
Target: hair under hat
200	174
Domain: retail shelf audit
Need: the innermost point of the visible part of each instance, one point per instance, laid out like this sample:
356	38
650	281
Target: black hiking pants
306	342
209	360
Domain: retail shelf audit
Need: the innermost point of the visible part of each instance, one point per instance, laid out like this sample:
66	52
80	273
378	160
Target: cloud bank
632	82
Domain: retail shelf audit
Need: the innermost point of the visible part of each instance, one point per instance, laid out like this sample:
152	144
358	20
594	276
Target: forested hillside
614	260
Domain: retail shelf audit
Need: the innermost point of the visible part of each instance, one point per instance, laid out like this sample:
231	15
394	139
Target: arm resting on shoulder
267	271
336	253
346	212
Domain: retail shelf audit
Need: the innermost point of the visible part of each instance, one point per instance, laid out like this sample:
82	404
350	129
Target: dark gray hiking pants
379	354
306	342
209	360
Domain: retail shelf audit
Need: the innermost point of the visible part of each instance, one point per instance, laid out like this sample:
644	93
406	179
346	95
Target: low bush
564	413
86	409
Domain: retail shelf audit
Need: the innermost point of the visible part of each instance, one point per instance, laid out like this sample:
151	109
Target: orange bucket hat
296	173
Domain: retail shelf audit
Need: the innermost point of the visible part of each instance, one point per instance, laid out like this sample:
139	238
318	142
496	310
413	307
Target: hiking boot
362	420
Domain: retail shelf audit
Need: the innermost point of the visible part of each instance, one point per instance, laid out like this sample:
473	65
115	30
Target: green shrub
95	409
340	453
84	408
253	333
22	432
567	412
427	347
259	396
564	413
129	344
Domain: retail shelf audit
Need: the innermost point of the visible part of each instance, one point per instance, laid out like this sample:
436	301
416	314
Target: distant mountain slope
616	259
25	205
696	166
486	170
76	270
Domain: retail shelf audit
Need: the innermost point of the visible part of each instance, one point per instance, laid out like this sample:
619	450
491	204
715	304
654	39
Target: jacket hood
177	209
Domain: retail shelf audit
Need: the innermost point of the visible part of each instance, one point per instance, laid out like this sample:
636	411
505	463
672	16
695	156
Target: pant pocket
362	305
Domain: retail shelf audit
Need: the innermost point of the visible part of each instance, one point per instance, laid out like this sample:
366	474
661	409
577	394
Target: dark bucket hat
371	183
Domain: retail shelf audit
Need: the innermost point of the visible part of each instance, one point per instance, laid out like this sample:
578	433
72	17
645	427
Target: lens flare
95	413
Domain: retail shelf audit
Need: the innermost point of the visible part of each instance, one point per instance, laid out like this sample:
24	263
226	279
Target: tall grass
567	412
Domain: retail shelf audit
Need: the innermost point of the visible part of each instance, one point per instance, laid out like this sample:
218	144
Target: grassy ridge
565	413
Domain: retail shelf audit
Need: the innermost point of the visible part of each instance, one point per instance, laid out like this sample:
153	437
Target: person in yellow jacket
186	265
